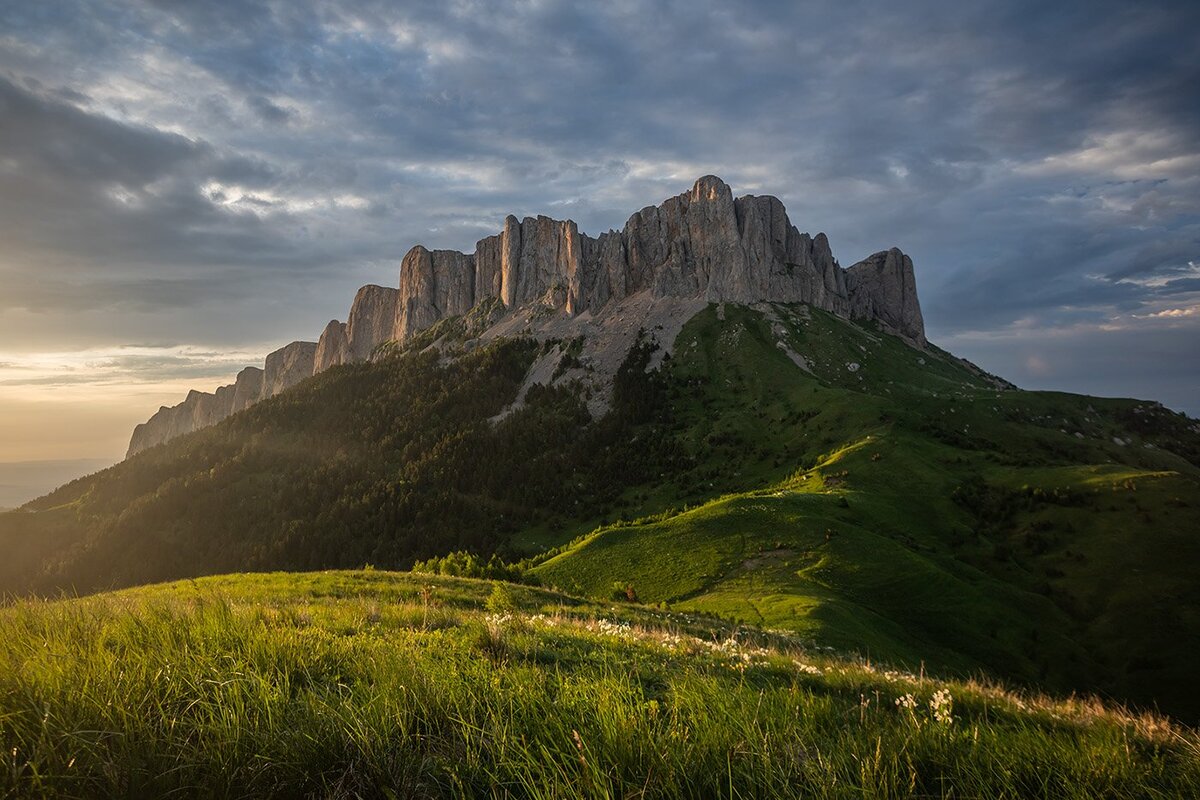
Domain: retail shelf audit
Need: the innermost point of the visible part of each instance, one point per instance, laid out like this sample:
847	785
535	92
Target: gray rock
247	389
434	285
198	410
702	244
372	320
287	366
882	288
333	347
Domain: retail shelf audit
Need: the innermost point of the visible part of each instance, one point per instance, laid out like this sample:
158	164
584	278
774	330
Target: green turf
386	685
893	502
1074	570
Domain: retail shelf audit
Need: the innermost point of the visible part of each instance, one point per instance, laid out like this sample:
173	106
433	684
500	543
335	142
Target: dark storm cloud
1041	162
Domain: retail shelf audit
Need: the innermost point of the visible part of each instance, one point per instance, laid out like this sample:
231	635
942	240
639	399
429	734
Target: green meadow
368	684
803	559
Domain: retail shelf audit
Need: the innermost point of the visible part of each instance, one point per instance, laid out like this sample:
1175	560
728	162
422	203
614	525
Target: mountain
702	245
809	463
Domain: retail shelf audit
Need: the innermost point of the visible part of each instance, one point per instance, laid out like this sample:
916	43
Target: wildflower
620	630
941	705
907	702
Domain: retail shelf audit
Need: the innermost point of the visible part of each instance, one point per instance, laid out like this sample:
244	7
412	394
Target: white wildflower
941	706
808	669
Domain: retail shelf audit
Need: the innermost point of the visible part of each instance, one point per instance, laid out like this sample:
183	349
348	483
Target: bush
501	600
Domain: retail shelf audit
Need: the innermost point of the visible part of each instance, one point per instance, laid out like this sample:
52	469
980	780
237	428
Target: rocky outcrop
372	320
287	366
247	388
433	285
333	347
882	288
702	245
284	368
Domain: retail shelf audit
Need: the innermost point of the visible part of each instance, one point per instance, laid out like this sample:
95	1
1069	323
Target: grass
372	684
894	505
838	519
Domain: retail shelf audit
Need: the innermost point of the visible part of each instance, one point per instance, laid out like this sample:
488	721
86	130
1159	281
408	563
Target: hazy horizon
22	481
185	188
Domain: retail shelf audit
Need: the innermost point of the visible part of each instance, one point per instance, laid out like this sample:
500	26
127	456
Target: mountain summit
702	246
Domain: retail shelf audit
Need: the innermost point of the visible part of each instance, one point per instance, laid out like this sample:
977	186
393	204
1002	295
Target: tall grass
353	686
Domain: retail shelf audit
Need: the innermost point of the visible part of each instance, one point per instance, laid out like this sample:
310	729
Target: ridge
701	246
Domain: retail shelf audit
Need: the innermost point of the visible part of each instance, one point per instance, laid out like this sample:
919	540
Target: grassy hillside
786	468
941	521
378	685
376	463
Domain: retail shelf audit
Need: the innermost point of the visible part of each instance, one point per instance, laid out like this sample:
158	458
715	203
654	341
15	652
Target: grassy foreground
373	684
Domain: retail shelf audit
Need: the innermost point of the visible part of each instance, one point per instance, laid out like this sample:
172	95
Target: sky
186	186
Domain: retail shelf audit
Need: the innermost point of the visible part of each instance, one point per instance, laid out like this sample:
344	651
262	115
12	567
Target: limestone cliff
284	368
700	246
882	288
372	320
333	347
433	285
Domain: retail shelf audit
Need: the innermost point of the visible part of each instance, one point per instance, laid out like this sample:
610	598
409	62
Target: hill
377	685
702	411
866	495
1040	536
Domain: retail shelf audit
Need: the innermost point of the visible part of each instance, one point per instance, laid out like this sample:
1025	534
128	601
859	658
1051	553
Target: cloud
124	365
234	171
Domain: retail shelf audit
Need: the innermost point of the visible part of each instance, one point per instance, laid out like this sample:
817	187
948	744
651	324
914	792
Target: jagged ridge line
702	243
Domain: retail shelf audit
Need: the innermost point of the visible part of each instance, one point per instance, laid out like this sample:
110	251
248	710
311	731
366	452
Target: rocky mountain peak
698	247
882	287
712	189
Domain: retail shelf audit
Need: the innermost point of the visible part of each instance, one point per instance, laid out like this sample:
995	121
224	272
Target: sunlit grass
381	685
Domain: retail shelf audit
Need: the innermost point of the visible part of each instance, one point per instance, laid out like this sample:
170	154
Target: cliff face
433	285
702	244
372	320
285	367
882	288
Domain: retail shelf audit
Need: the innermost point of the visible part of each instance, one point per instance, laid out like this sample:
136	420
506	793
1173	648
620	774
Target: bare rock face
247	389
433	285
701	243
156	430
333	347
882	288
534	260
700	246
785	265
372	320
198	410
287	366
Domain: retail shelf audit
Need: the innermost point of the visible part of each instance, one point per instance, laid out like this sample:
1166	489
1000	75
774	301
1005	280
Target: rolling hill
784	467
370	684
702	411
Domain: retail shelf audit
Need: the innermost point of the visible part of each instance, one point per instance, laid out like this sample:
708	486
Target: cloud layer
217	175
